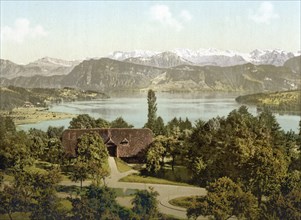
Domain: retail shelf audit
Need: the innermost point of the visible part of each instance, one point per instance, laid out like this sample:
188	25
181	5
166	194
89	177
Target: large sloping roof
129	141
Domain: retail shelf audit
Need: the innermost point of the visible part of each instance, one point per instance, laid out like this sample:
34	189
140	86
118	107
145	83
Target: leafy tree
159	127
39	142
174	148
98	203
81	209
91	156
225	199
152	110
101	123
55	132
241	148
9	201
34	192
145	204
55	152
83	121
14	150
264	172
80	172
153	156
120	123
14	145
178	123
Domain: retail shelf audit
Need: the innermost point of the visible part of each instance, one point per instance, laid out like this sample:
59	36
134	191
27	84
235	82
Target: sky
75	30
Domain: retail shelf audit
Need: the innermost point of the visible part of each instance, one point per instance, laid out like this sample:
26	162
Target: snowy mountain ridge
211	56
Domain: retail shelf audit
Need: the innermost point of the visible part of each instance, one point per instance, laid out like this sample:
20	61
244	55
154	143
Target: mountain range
178	70
45	67
203	57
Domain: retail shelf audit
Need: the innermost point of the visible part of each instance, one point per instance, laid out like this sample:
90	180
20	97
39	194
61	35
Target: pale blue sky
80	29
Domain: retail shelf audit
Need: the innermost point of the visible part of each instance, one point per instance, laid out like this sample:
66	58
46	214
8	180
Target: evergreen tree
120	123
152	110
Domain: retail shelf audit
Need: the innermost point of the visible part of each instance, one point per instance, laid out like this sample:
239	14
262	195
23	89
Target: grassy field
184	202
34	115
121	165
147	179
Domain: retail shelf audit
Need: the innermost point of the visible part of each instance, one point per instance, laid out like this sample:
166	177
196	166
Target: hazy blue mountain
111	75
45	67
164	60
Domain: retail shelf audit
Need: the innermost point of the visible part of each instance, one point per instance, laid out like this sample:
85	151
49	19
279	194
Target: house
28	105
128	144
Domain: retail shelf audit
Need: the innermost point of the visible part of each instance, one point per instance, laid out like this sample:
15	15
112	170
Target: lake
133	108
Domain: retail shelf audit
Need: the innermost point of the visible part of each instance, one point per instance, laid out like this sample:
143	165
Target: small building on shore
129	144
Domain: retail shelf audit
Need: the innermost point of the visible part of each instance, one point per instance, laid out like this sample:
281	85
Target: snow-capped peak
120	55
54	62
213	56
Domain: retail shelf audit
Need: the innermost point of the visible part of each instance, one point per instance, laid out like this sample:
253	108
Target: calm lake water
133	108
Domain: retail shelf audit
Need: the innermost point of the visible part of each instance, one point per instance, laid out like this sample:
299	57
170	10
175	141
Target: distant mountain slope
164	60
107	74
247	77
294	64
111	75
44	67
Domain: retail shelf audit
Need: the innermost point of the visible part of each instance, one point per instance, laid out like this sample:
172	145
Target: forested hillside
276	101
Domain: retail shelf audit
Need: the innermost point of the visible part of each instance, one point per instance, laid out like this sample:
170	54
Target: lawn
147	179
121	165
184	202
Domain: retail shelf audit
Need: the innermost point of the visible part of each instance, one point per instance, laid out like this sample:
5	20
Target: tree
83	121
225	199
39	142
152	110
55	132
145	204
32	192
9	201
120	123
98	203
81	209
264	172
174	148
286	203
80	172
159	127
101	123
92	154
153	156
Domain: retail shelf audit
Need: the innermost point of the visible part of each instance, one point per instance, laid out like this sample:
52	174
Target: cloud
163	15
265	13
186	15
22	30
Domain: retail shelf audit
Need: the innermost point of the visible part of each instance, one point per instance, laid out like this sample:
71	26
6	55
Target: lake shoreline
32	115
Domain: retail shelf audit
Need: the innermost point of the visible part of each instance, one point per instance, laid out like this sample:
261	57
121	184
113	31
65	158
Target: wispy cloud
264	14
186	15
21	31
163	15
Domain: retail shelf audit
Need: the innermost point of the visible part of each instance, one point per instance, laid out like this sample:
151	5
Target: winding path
166	192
